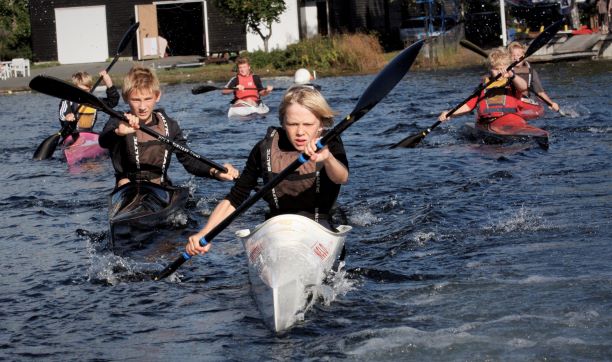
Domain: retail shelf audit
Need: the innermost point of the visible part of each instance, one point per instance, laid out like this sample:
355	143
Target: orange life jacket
247	82
497	101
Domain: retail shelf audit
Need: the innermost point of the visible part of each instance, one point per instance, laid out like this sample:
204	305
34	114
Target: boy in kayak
137	156
498	104
312	190
246	86
70	112
530	108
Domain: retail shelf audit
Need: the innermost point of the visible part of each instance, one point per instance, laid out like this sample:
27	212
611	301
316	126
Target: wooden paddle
47	147
377	90
60	89
208	88
537	43
475	48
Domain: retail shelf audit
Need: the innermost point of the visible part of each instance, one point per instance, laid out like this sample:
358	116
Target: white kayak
288	257
244	109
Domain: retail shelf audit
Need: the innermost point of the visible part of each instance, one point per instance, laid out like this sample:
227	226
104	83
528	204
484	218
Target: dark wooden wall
223	35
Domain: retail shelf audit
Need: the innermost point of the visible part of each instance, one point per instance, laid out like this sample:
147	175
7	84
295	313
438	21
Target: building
81	31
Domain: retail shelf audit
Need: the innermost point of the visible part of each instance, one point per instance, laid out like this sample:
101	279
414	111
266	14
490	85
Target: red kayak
506	129
530	109
85	147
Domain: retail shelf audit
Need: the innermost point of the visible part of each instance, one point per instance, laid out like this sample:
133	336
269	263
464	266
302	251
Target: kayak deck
85	147
137	210
289	257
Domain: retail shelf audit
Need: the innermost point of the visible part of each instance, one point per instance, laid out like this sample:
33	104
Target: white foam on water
522	219
363	217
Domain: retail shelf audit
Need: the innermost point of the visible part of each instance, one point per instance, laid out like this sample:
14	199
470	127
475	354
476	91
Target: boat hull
289	257
508	134
85	147
243	110
138	210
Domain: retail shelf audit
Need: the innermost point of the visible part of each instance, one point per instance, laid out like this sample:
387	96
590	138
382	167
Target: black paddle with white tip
209	88
537	43
47	147
60	89
378	89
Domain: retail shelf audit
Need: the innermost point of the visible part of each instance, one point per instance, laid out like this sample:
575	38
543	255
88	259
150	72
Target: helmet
302	76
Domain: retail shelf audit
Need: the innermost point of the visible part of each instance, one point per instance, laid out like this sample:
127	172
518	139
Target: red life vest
495	102
247	82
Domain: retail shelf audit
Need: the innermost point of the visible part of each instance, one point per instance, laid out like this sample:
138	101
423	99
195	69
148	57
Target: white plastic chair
5	71
20	67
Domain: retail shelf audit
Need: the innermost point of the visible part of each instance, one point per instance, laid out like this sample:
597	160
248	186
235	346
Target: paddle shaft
386	80
168	141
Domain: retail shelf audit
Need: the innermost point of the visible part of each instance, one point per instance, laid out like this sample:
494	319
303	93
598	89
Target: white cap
302	76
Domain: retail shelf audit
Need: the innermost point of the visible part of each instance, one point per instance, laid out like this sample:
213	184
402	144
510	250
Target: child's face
244	69
516	54
499	68
142	102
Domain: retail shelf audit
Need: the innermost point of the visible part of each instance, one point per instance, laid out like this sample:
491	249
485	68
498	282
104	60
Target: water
459	251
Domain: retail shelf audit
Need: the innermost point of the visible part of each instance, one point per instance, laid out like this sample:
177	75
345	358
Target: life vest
305	181
525	73
86	117
496	100
151	155
247	82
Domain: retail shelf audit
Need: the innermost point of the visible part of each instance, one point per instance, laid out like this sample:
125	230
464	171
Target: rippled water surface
459	251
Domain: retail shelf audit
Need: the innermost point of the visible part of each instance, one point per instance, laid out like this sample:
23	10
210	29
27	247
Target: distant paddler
529	107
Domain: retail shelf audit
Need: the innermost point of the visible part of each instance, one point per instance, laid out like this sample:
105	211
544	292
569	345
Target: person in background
498	104
245	85
602	16
69	112
531	108
303	77
310	191
137	156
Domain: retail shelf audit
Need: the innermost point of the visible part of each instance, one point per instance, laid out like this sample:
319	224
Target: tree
257	15
14	29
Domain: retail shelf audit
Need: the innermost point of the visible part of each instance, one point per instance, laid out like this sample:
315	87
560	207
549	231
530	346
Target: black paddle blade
127	38
410	141
544	37
47	147
203	89
58	88
473	47
387	79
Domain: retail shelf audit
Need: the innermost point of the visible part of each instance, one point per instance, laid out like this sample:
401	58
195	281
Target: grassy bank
329	56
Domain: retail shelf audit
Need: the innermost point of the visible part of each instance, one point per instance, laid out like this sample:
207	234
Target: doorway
182	25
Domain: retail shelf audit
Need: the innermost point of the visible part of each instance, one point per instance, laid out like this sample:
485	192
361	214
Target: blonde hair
310	99
82	78
516	45
499	57
141	78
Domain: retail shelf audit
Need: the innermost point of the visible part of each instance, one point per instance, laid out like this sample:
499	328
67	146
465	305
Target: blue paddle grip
320	145
203	242
186	256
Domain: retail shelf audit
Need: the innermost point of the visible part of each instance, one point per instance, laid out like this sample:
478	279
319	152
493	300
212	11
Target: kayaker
137	156
531	108
313	188
303	77
86	116
498	104
245	78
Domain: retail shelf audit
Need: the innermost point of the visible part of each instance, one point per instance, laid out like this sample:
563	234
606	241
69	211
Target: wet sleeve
536	84
64	109
112	97
257	82
248	178
108	138
232	83
336	147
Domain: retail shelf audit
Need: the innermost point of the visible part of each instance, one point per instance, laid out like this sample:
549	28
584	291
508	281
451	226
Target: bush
344	52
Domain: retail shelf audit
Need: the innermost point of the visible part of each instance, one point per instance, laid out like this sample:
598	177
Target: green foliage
14	29
252	12
343	53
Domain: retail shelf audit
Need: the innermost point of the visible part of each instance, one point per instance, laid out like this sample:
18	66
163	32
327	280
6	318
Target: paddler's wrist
512	76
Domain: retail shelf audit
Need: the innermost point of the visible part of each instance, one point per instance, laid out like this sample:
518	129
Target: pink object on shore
85	147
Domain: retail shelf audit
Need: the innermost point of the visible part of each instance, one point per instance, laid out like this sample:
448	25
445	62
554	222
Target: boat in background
243	109
289	257
137	210
524	133
83	148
